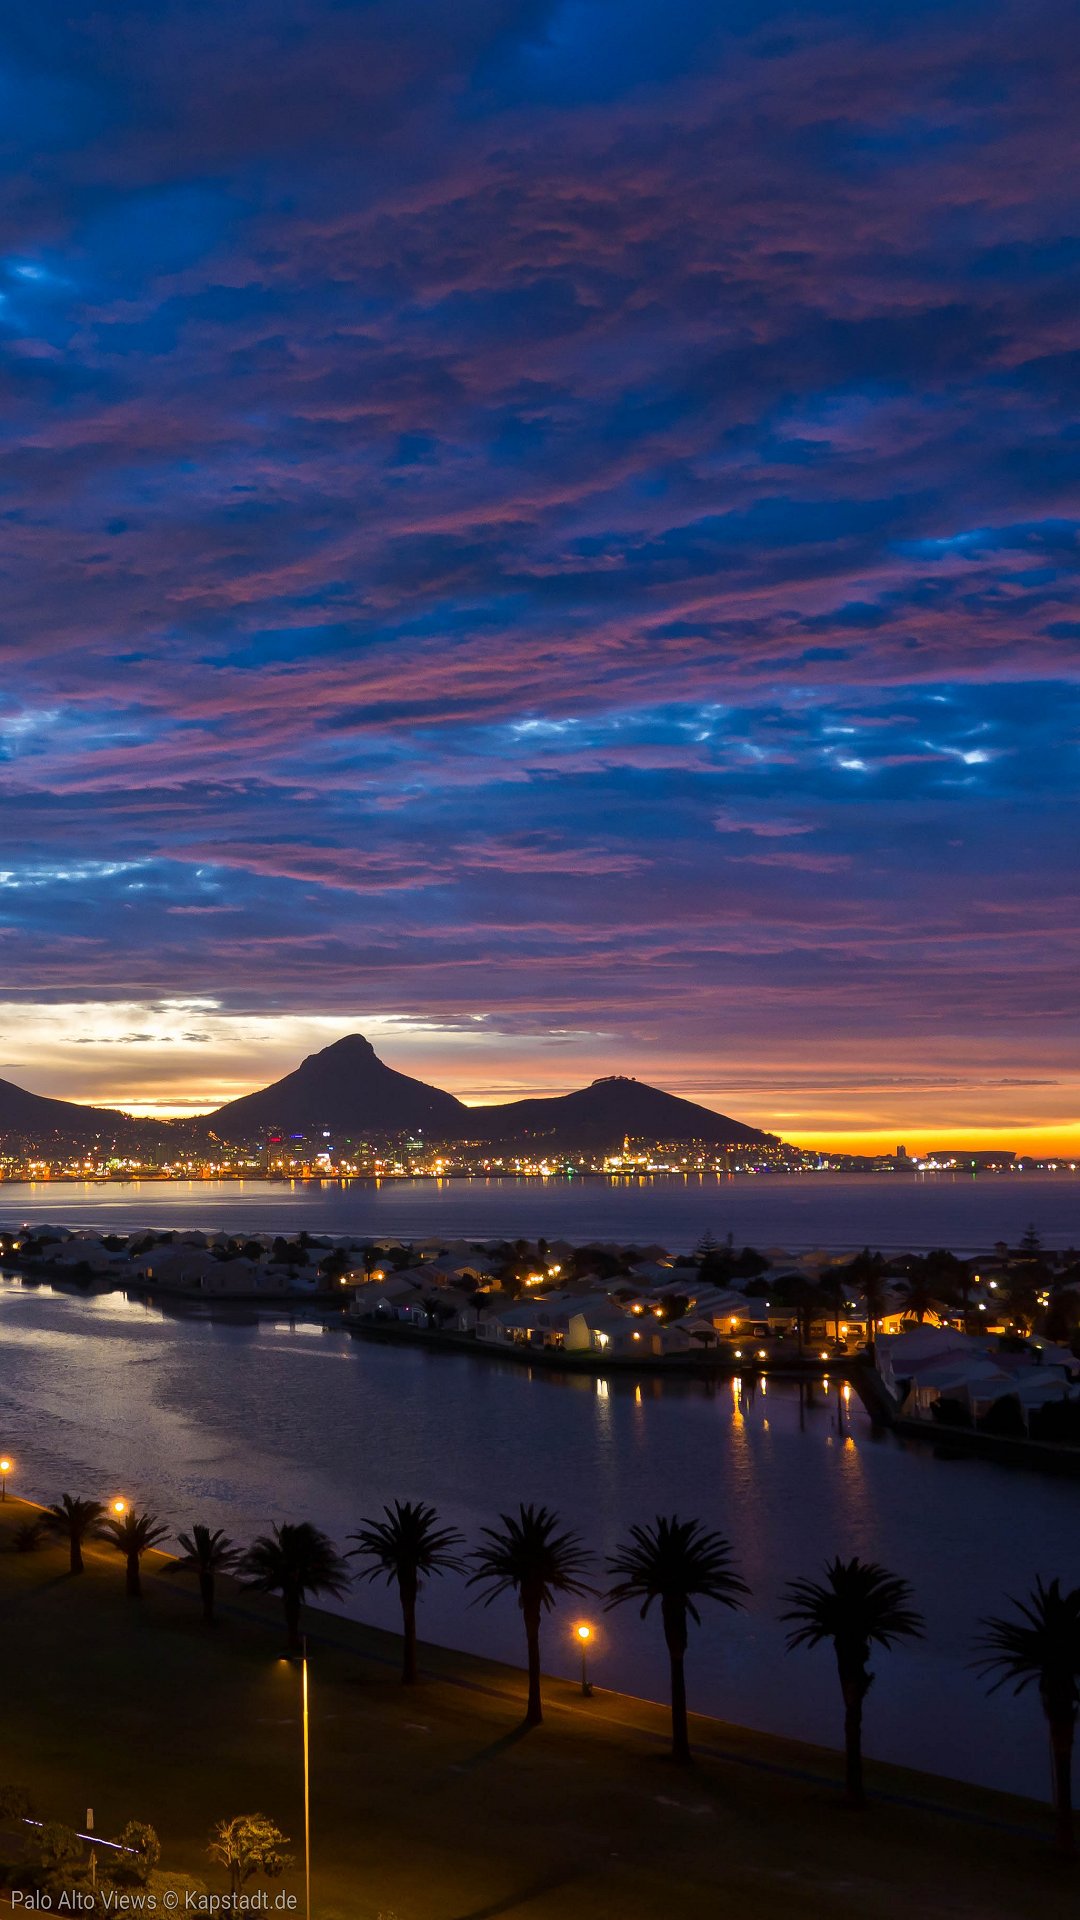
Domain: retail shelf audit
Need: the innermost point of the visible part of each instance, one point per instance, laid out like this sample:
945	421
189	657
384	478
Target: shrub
142	1855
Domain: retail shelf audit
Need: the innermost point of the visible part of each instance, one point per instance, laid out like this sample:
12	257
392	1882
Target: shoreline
947	1443
953	1443
729	1741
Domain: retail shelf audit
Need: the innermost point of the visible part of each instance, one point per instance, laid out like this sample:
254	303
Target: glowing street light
118	1507
6	1466
307	1784
583	1633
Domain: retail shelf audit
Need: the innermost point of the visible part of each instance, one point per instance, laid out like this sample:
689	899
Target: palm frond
72	1518
858	1603
294	1557
134	1533
677	1562
205	1552
528	1554
1041	1643
408	1544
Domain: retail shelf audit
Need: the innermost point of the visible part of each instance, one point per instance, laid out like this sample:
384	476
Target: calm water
238	1423
906	1210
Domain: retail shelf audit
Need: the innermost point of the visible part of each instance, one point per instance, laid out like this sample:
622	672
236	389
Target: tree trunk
680	1731
1061	1743
292	1621
206	1589
75	1555
853	1768
408	1651
534	1712
133	1582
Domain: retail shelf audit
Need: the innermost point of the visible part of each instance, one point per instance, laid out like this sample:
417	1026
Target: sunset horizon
845	1111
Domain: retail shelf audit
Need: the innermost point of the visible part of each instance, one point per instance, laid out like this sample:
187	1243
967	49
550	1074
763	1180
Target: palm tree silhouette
1043	1644
407	1548
133	1535
528	1556
206	1555
72	1520
294	1560
676	1562
857	1605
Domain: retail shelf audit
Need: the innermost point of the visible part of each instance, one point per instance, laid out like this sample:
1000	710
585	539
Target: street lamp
583	1634
307	1784
118	1507
6	1466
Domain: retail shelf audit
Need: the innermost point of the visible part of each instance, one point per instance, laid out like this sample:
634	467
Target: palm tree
294	1560
407	1548
206	1555
1043	1644
133	1534
72	1520
920	1297
676	1562
857	1605
528	1556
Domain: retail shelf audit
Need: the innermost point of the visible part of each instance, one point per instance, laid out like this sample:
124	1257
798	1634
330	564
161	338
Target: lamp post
5	1468
584	1633
307	1782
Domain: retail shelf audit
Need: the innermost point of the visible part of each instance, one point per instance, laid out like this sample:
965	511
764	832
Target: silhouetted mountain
597	1118
32	1122
347	1090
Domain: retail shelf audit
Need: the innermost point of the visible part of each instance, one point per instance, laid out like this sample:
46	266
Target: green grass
427	1804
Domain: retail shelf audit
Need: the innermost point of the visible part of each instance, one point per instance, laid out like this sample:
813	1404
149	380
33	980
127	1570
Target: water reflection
237	1420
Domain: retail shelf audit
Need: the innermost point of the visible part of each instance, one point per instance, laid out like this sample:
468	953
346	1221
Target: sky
546	534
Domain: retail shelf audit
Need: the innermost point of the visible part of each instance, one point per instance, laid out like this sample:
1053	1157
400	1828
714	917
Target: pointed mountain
598	1118
346	1090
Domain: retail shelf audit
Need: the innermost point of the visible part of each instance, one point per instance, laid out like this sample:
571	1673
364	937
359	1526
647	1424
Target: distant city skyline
546	533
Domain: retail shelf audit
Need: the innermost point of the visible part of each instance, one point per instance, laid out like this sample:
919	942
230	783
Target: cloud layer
549	520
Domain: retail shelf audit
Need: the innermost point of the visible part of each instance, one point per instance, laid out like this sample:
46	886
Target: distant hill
598	1117
32	1122
347	1090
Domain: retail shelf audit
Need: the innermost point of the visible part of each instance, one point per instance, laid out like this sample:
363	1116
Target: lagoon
239	1419
892	1212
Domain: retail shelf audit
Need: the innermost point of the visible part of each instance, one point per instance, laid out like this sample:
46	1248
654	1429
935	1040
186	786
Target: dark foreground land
427	1804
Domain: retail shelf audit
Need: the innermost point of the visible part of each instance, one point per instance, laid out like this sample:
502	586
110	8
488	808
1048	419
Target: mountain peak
345	1090
351	1045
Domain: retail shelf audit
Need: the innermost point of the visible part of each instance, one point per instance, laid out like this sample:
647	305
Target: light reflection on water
238	1420
890	1211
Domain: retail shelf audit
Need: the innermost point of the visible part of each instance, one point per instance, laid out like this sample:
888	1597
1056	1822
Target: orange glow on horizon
1058	1143
824	1091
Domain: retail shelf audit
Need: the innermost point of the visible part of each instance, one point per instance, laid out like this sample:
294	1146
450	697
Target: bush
61	1863
1004	1418
1058	1420
142	1855
950	1413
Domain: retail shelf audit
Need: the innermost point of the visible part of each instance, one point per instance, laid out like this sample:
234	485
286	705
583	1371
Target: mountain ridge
346	1090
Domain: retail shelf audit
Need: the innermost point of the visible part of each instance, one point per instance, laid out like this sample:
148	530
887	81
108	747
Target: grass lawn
426	1804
